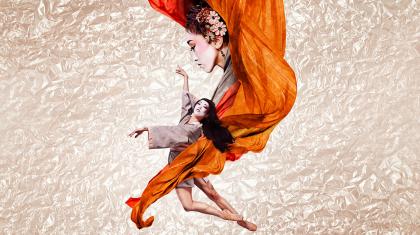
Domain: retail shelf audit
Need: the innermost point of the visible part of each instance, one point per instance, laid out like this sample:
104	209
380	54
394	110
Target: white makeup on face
204	52
201	109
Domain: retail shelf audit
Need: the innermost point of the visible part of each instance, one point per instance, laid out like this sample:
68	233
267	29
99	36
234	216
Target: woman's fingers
137	132
132	133
181	71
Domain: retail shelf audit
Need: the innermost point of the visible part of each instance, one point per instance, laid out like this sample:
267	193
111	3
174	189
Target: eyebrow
188	42
202	102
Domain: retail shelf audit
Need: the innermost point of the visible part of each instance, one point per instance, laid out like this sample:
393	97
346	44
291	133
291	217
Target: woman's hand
138	132
181	71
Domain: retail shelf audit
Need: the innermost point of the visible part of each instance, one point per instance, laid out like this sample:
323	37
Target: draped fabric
264	95
175	9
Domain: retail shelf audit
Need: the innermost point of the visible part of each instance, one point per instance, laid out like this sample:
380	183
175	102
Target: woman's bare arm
182	72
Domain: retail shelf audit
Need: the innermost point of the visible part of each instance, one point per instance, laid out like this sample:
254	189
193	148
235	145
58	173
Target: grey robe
183	133
226	81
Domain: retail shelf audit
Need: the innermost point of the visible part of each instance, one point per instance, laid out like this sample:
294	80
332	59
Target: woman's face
205	53
201	109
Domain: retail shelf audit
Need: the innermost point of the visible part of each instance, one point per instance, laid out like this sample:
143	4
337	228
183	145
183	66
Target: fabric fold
264	95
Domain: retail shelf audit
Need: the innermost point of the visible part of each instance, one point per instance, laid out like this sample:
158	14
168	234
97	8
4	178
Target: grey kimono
226	81
183	133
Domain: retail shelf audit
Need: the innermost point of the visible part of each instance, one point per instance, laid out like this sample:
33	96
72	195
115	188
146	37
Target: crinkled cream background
78	76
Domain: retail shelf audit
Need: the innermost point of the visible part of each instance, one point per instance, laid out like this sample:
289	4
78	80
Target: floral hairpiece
214	26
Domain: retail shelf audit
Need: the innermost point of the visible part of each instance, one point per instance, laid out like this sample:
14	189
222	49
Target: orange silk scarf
262	97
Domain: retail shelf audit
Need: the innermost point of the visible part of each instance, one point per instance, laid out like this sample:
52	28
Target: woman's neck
193	119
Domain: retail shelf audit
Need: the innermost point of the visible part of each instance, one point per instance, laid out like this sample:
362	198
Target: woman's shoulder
192	127
184	119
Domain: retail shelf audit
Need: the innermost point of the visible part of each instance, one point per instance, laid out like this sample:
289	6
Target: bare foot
227	215
248	225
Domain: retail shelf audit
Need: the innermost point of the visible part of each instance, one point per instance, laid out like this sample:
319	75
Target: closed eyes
204	106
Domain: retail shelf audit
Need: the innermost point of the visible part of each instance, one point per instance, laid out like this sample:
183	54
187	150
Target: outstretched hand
181	71
137	132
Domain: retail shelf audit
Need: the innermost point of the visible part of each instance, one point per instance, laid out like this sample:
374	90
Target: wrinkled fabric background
78	76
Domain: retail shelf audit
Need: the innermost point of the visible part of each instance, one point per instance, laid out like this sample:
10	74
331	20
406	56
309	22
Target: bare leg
221	202
213	195
185	197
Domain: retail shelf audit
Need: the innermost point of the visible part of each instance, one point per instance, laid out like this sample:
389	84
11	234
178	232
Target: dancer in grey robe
183	133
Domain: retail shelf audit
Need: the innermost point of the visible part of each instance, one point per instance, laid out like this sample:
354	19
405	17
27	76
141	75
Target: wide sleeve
166	136
188	101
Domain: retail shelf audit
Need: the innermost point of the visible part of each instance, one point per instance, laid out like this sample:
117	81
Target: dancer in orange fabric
198	117
263	95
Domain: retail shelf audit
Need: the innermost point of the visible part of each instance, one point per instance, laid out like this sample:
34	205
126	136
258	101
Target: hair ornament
213	24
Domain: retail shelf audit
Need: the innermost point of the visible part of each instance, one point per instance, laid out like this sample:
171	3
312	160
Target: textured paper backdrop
78	76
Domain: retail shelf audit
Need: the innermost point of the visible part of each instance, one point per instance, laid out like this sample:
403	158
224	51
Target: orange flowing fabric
264	95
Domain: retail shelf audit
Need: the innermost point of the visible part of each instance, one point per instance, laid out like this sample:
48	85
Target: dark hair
212	128
194	26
